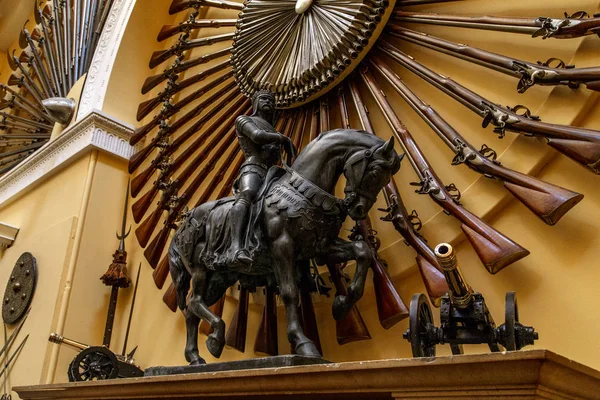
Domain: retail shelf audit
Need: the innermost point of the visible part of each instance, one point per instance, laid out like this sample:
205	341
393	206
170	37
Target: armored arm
248	128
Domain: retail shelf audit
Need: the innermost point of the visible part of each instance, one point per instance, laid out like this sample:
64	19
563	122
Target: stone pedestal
533	374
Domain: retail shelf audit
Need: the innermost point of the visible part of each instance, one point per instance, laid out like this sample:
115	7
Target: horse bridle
354	170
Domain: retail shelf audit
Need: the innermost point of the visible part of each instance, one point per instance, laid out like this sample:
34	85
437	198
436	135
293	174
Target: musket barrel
460	291
56	338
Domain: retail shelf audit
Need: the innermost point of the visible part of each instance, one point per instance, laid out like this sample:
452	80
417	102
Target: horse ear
387	150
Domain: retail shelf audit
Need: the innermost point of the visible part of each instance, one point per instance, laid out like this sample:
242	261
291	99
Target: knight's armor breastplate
256	154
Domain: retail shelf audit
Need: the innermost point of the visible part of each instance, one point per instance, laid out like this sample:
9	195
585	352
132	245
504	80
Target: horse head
367	172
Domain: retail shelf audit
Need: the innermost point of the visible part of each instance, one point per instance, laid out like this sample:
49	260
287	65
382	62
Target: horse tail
181	277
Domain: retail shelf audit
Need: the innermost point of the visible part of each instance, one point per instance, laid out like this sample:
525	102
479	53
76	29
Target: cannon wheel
93	364
511	318
421	320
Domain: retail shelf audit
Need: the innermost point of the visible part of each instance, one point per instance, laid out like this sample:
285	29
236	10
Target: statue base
252	363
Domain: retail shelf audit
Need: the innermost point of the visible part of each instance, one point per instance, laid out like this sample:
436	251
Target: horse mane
339	129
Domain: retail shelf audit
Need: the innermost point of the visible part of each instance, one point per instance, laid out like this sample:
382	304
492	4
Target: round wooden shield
19	289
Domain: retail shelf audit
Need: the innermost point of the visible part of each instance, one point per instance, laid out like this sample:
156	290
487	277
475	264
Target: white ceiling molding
98	76
7	235
96	131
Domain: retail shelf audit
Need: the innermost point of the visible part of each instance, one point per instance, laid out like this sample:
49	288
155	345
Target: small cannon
98	362
464	316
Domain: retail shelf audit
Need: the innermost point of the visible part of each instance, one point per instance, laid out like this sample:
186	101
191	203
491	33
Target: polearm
495	250
30	85
548	202
171	30
158	57
571	26
25	104
38	65
57	33
405	223
181	66
528	73
26	122
50	51
581	145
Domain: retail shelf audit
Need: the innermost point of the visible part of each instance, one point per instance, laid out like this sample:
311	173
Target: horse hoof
198	361
307	349
214	345
339	308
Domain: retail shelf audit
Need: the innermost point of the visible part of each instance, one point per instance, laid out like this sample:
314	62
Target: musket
391	309
155	248
147	106
404	3
266	337
181	5
176	87
170	297
171	30
165	132
169	110
160	56
50	52
22	103
216	309
495	250
57	33
26	122
160	273
224	122
31	86
352	327
38	65
181	66
571	26
548	202
236	334
579	144
528	73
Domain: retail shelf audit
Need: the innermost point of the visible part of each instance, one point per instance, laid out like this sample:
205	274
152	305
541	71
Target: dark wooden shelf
518	375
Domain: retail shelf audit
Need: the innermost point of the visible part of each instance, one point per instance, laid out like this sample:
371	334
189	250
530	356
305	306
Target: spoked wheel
94	364
421	331
511	318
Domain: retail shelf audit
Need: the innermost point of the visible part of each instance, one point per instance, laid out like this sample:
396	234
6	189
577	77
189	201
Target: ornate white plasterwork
95	131
98	76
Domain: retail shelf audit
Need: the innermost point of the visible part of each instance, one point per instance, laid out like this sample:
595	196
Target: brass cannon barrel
56	338
460	291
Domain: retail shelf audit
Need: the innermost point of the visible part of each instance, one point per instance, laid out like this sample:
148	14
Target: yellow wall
555	284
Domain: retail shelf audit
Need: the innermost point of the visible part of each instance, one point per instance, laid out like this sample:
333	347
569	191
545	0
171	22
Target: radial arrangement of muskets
188	153
47	62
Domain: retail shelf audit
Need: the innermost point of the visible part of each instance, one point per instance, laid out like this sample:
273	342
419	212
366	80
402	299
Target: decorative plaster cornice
95	131
105	55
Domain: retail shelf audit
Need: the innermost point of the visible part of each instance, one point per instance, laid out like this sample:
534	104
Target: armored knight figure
261	145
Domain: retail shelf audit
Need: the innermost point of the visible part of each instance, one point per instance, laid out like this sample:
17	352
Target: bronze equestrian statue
295	217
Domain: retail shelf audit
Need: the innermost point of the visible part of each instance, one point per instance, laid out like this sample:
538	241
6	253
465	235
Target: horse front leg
340	252
284	260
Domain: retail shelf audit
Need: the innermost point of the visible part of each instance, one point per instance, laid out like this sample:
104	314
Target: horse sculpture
296	218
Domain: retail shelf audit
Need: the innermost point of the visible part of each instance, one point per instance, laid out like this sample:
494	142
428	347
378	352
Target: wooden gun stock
181	5
140	180
236	334
161	272
169	30
170	298
308	320
352	328
216	309
144	231
266	337
585	153
160	56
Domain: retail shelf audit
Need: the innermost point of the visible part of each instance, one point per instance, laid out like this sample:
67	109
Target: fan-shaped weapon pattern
52	57
189	153
300	49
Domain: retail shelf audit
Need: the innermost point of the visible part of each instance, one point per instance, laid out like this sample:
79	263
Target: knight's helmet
256	95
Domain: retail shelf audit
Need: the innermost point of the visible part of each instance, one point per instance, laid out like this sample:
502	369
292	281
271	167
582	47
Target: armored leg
249	185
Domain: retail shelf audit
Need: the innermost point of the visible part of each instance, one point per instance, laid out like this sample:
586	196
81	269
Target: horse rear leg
286	278
191	348
196	304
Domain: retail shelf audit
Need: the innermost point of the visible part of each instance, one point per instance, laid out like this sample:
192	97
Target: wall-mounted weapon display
20	289
4	351
51	57
190	155
464	316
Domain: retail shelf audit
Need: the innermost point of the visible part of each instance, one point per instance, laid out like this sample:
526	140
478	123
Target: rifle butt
585	153
144	231
236	334
266	338
595	85
139	157
391	309
141	132
216	309
161	272
308	319
156	247
170	298
549	205
167	31
434	280
146	107
495	250
142	205
160	56
152	82
178	6
138	183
